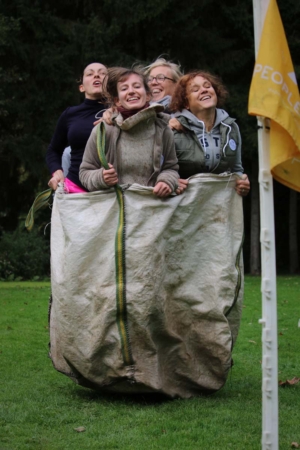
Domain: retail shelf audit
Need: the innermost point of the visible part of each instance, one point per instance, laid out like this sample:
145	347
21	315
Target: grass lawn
40	408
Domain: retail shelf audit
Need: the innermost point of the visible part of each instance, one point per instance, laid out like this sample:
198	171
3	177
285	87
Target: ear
81	88
117	102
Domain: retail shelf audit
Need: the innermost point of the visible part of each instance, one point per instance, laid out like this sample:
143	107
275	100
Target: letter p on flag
274	94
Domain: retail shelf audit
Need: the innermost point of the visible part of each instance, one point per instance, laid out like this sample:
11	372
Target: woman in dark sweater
74	128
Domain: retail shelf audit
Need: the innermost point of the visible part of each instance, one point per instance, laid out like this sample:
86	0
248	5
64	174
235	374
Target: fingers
53	184
110	175
174	124
97	121
162	189
58	176
243	186
107	116
182	186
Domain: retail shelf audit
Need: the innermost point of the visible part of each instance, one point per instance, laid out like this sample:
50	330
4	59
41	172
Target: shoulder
164	116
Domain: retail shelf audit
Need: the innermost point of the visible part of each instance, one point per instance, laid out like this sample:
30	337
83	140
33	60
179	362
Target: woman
140	147
211	140
162	77
74	128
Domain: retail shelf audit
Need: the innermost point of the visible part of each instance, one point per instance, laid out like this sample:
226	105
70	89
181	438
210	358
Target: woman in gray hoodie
211	141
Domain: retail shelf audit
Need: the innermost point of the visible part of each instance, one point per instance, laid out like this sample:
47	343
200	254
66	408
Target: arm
242	186
107	116
57	145
55	151
92	176
174	124
238	167
169	163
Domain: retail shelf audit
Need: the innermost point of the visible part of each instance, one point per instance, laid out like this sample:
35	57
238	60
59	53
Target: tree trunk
293	239
255	222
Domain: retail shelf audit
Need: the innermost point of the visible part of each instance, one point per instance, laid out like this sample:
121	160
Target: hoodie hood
165	101
197	123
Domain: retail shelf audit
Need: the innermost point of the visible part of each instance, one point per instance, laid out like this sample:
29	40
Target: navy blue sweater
73	128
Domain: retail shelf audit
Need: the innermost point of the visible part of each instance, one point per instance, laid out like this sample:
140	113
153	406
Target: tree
45	45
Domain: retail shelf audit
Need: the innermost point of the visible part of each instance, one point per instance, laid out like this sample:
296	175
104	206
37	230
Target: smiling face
162	88
92	80
132	93
201	95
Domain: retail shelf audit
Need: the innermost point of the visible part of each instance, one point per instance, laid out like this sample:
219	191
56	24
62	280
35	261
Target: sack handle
40	201
101	145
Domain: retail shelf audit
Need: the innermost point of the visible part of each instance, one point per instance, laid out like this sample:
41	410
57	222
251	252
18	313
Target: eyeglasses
159	79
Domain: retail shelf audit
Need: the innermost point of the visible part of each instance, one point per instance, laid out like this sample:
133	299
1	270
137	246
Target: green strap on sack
101	145
40	201
120	261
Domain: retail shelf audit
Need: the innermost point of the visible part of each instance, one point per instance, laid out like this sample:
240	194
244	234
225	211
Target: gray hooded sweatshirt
210	142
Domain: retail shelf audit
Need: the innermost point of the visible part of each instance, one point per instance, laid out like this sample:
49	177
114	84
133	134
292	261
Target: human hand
182	186
107	117
174	124
57	177
242	186
110	176
162	189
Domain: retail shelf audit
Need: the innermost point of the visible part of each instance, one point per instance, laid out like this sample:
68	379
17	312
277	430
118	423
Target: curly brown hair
179	98
116	75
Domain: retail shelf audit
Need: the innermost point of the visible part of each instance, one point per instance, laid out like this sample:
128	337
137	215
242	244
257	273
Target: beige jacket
124	137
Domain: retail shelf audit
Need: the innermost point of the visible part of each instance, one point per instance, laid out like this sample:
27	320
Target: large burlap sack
147	292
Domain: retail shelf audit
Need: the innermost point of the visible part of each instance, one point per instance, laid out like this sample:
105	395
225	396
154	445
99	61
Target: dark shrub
24	255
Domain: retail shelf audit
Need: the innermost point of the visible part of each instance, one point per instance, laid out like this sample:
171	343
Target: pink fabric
72	188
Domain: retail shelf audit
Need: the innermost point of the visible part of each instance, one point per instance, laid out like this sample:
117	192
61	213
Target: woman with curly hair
211	141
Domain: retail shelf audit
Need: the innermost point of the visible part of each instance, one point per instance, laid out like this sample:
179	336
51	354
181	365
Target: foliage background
44	46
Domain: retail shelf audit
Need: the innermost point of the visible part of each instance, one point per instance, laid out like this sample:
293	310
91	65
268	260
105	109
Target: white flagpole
268	263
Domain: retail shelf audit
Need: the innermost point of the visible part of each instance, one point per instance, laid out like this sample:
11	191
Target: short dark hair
179	98
116	75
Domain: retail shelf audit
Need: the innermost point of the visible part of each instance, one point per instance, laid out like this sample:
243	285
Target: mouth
205	97
156	91
97	83
133	99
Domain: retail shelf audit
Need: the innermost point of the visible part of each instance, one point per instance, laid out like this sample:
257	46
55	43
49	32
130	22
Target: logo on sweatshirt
232	144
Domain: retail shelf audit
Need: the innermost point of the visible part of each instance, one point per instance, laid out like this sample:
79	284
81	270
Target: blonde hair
175	68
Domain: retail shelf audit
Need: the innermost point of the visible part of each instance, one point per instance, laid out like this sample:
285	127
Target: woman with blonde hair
162	76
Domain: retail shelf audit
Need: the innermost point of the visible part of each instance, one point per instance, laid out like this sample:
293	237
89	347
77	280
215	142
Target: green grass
39	408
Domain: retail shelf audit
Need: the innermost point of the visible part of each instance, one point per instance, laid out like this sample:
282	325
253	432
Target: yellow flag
274	94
